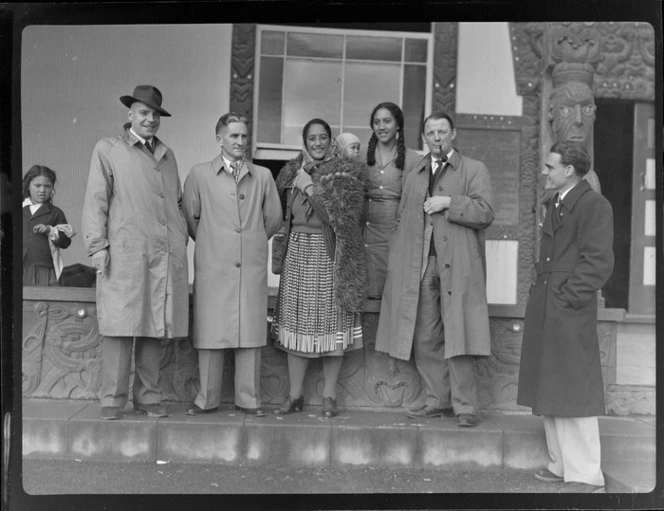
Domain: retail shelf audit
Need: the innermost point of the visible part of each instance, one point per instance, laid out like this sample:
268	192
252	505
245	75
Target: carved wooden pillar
526	42
243	58
445	36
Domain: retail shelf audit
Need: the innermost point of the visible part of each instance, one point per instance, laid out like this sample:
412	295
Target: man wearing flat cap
136	233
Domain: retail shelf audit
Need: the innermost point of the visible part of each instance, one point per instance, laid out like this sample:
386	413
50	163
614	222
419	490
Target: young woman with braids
389	161
323	278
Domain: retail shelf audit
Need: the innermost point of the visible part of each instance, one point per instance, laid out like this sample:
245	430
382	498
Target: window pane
272	43
414	89
268	125
416	50
315	45
312	89
373	48
366	86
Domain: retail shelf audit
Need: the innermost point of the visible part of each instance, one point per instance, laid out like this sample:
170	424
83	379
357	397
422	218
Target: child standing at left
45	229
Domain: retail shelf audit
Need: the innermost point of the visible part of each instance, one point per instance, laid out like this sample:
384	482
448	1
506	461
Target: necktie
149	146
236	166
557	201
437	167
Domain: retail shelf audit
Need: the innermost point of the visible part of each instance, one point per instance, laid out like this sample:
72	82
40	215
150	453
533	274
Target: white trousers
574	449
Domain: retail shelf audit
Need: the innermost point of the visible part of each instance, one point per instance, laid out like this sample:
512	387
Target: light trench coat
132	208
458	234
231	225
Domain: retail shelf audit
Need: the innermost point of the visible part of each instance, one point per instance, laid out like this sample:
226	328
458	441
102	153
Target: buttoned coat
36	249
458	234
560	373
133	207
231	225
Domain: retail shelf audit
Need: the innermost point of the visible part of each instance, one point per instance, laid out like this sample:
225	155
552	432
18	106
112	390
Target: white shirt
33	207
227	164
143	141
434	160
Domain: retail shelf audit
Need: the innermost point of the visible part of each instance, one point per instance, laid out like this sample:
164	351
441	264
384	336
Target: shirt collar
140	138
561	195
434	159
221	162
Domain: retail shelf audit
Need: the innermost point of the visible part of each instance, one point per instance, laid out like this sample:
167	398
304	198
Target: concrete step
72	430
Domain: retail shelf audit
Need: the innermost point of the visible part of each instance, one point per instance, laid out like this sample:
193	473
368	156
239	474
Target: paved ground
67	477
92	485
43	477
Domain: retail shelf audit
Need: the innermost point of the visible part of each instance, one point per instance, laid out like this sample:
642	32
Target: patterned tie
236	166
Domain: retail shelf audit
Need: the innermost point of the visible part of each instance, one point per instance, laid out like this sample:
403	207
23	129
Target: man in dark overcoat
560	375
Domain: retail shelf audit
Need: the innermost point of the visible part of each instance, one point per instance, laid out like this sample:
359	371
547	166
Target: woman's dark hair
401	143
36	171
316	120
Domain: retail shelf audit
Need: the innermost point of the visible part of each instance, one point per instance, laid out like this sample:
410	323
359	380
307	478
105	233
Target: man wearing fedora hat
136	233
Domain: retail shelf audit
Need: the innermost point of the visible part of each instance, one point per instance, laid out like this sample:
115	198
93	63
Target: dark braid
401	151
371	150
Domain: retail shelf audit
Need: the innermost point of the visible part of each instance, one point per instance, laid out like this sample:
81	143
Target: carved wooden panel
445	37
62	356
627	68
243	55
527	40
61	350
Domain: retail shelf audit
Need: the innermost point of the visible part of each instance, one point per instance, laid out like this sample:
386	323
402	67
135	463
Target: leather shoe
466	420
290	406
197	410
330	407
548	476
256	412
110	413
151	410
426	412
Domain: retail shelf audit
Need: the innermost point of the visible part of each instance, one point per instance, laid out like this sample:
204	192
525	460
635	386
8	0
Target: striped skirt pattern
306	318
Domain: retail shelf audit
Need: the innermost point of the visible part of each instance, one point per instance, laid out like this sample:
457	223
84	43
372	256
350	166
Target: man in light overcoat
560	375
232	209
134	229
434	303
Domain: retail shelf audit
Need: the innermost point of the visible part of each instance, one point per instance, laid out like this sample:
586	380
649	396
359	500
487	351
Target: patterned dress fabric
306	317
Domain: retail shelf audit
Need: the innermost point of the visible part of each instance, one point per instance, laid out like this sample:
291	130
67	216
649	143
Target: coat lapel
46	208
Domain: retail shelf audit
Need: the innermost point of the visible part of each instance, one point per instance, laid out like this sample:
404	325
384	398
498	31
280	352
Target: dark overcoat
560	373
458	234
36	249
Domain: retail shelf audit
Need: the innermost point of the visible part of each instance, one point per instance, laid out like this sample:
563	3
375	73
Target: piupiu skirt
307	321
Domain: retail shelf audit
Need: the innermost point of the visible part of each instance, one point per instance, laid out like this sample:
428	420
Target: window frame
278	151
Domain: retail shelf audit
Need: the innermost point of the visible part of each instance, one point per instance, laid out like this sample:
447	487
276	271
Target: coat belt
550	267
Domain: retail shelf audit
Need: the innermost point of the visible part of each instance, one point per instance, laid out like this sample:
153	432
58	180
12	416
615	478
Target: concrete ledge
134	438
373	439
72	430
301	439
210	438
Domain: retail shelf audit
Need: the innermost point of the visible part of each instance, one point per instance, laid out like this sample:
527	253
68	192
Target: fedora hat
147	94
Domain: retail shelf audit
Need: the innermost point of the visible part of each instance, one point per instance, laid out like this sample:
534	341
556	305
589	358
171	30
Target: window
339	76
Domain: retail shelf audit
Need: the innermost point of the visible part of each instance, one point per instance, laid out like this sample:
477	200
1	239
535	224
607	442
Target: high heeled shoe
330	407
290	406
